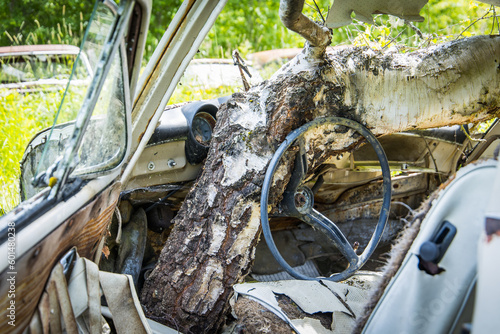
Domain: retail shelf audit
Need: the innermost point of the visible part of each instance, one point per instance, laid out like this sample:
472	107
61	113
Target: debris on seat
303	306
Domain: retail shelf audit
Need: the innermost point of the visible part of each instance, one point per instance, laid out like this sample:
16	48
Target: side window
104	142
213	73
210	78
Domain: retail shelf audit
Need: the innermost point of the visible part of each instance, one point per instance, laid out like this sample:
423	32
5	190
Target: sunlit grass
187	93
21	116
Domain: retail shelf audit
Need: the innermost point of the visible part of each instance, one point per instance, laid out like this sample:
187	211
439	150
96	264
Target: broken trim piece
344	301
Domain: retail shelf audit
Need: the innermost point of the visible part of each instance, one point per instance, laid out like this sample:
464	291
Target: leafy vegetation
444	20
248	26
240	26
43	22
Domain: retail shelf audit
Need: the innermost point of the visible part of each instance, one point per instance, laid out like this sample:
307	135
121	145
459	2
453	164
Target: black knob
429	251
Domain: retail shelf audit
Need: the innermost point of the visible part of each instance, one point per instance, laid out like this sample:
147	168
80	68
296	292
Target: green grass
186	93
21	116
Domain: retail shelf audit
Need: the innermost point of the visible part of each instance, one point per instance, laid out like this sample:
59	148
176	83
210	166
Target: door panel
84	229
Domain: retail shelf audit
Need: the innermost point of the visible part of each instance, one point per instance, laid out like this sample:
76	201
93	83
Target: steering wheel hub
303	199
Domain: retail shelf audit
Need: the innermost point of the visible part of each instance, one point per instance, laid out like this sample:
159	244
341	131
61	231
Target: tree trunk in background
213	242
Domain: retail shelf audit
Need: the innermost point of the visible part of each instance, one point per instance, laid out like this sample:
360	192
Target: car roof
39	49
262	58
212	61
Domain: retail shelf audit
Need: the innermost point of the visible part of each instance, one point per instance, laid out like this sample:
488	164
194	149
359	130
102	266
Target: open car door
70	172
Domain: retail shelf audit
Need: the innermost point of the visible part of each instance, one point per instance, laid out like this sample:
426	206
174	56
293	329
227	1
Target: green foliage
254	25
248	26
444	20
162	13
186	93
43	22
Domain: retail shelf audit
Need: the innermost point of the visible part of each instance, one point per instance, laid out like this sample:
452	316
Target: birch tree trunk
213	242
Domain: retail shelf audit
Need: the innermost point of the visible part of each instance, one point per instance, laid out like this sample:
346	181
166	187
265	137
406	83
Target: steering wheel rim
318	220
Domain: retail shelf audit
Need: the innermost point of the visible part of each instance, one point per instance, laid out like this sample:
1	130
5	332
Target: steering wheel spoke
325	225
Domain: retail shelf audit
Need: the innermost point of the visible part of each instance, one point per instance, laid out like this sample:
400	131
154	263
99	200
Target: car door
71	171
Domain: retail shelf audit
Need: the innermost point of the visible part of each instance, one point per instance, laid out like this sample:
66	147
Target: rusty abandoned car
364	172
28	68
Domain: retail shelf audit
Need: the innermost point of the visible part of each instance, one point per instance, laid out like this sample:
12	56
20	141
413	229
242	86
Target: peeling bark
213	242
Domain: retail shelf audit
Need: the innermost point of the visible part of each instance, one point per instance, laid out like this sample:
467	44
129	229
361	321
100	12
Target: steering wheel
298	200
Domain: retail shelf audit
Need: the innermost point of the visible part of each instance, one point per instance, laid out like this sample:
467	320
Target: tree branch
292	17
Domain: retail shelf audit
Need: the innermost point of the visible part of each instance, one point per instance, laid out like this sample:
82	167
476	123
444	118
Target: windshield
83	145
